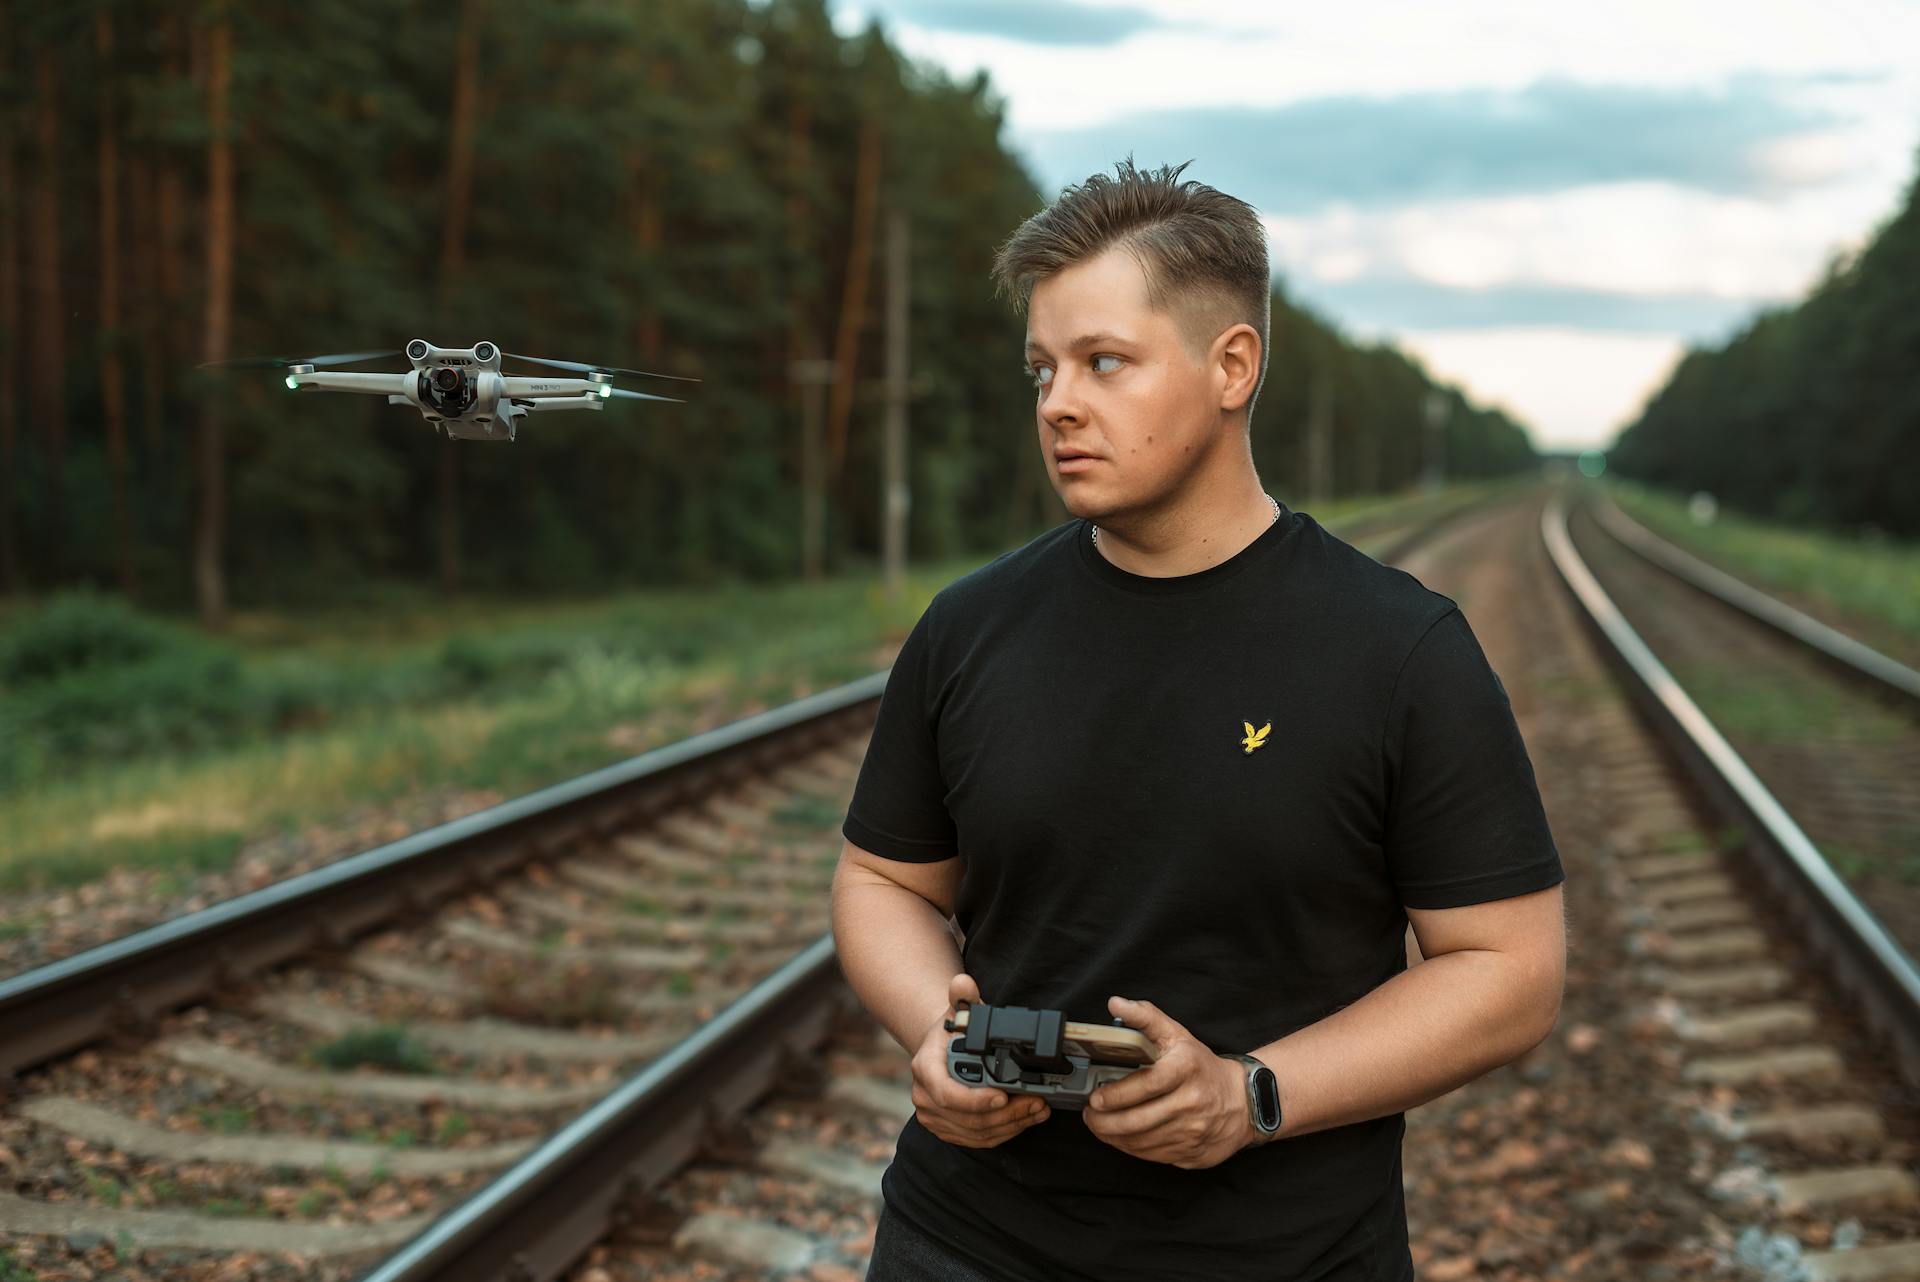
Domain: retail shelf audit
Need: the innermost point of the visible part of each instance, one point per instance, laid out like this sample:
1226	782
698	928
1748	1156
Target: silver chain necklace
1269	498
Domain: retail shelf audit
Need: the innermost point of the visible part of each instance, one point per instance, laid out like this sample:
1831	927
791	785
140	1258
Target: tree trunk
648	226
209	576
802	347
895	496
453	253
113	391
11	577
853	299
49	360
149	304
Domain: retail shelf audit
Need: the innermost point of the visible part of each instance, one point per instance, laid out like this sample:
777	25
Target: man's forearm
898	956
1424	1032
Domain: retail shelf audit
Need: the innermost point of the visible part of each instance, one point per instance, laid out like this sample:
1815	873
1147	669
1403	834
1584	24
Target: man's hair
1203	252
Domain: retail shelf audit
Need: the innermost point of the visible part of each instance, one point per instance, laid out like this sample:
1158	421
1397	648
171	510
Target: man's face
1116	383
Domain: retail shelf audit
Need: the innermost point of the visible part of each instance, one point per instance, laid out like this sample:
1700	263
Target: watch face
1266	1098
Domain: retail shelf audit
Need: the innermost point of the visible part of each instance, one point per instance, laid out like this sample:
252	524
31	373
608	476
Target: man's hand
1189	1108
970	1116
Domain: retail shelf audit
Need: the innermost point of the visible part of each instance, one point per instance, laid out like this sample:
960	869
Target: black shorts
901	1253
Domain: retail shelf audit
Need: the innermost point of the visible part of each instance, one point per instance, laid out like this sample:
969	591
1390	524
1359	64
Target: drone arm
371	384
584	401
533	388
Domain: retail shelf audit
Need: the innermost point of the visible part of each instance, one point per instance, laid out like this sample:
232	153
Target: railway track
512	992
468	1053
1791	1004
751	1140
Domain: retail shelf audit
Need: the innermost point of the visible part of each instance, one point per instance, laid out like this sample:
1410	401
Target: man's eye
1041	374
1105	357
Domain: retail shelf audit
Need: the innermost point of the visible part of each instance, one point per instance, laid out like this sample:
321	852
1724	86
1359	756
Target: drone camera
484	351
417	350
448	390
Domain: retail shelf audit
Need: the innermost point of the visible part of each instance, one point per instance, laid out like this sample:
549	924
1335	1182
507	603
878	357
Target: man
1190	761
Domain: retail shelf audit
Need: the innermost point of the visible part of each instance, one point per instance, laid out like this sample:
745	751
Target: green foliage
77	630
11	1269
1812	413
1873	582
669	185
87	678
386	1046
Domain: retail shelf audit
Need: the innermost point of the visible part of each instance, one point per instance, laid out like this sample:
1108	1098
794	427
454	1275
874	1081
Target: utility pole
1320	436
1433	471
812	375
896	498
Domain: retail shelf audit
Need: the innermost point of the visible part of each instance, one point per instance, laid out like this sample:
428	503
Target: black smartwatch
1263	1096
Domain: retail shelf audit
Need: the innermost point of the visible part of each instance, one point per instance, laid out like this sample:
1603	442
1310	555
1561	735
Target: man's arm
1488	992
891	931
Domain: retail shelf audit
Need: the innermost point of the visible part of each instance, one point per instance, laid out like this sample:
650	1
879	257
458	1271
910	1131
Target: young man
1190	761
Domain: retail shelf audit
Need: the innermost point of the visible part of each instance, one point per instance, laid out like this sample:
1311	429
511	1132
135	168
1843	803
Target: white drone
460	389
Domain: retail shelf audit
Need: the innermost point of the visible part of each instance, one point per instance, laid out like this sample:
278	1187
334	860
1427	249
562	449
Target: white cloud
1574	388
1252	52
1653	240
1642	238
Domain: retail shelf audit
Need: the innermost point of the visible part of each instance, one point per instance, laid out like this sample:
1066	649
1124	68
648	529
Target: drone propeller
643	396
282	362
594	369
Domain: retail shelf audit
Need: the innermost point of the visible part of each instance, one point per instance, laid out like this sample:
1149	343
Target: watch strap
1250	1066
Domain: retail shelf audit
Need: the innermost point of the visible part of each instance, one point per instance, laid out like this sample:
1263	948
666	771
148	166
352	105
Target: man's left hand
1188	1109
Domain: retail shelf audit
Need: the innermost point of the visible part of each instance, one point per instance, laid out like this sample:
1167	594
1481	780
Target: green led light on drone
605	391
293	380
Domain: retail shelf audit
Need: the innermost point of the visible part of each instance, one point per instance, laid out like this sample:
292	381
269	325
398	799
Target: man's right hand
970	1116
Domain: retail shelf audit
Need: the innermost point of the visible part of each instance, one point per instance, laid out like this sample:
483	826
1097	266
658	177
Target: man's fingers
978	1131
961	988
1147	1116
1137	1087
945	1093
1146	1017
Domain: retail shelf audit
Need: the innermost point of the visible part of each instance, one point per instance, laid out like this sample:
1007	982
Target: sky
1547	203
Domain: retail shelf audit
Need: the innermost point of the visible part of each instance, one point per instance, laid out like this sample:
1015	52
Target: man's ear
1236	353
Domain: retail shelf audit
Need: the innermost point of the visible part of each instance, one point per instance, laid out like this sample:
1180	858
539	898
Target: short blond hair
1203	252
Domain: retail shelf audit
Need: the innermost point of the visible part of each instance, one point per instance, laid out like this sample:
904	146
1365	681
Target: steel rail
540	1216
1851	943
1852	657
60	1007
536	1219
126	983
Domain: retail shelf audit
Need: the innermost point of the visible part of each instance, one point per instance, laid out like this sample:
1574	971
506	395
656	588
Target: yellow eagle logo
1255	738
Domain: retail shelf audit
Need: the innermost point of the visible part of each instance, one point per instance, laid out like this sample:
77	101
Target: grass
386	1046
348	709
228	1119
1871	583
104	1188
546	695
1784	711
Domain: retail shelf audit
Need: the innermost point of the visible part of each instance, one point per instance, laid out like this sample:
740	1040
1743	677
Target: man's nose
1062	401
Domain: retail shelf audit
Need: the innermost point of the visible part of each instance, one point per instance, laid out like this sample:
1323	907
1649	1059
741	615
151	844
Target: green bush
89	679
78	630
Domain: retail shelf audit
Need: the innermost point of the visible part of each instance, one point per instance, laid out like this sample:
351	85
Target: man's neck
1196	537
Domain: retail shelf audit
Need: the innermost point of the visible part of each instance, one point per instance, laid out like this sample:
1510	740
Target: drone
459	389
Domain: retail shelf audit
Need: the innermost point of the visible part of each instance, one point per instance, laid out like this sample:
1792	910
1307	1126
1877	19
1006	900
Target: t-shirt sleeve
1464	820
899	808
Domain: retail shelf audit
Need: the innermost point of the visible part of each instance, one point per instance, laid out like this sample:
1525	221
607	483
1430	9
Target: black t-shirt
1078	734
